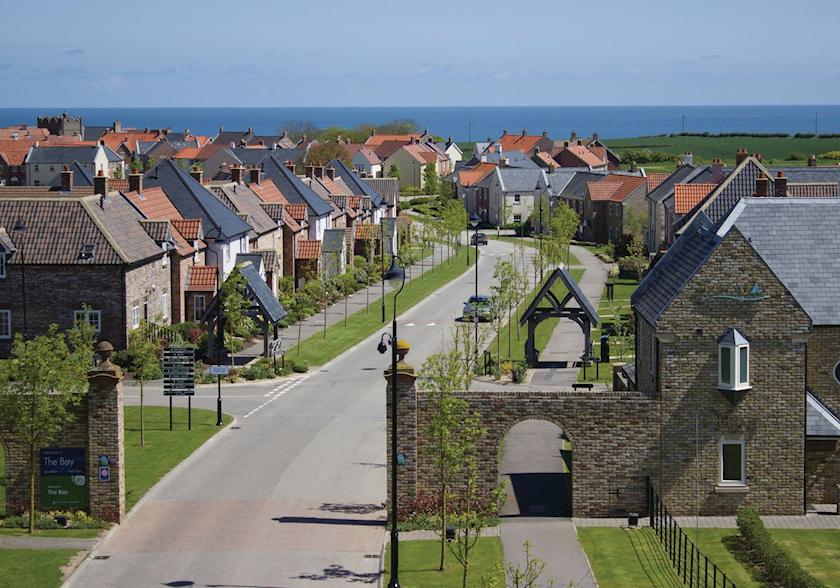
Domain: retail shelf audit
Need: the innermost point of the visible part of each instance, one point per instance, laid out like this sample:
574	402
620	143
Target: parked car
481	306
481	238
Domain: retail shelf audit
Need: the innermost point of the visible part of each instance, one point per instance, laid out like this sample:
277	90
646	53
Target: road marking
408	325
277	393
430	325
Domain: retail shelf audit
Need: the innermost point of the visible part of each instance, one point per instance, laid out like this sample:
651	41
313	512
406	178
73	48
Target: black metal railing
156	332
691	564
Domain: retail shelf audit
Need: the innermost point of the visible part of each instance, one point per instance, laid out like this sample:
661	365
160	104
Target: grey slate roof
662	283
575	189
385	187
359	186
559	179
680	175
333	241
808	175
194	201
81	176
799	240
254	258
820	421
92	132
244	201
520	180
61	155
295	191
271	308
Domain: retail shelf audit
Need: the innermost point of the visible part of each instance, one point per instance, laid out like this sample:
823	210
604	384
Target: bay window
733	361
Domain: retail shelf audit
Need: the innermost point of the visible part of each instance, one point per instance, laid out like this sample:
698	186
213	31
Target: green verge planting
528	242
516	337
33	568
622	339
318	350
419	565
164	449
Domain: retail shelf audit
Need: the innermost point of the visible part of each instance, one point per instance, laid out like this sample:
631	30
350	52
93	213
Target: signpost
63	479
275	350
179	377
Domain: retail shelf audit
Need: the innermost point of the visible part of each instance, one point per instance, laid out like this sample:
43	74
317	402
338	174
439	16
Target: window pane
743	375
725	365
732	462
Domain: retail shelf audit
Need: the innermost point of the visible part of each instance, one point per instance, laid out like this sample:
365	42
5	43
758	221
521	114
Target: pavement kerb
194	455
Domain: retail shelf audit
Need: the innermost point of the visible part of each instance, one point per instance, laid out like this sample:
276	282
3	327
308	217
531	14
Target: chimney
717	164
757	156
504	133
762	186
331	173
290	165
536	150
237	173
580	142
135	182
740	156
197	173
102	142
117	126
449	141
66	179
489	140
100	184
573	136
221	130
594	137
373	132
545	134
319	171
524	132
255	175
781	184
688	158
812	161
186	131
251	130
309	171
566	144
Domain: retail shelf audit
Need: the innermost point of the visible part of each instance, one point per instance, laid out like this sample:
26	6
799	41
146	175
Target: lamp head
395	275
382	347
474	220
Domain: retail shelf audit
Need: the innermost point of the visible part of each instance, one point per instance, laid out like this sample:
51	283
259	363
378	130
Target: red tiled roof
472	176
367	231
187	153
119	184
308	249
190	228
267	191
114	140
202	278
24	131
626	185
14	152
653	180
298	211
584	155
376	140
519	142
599	191
154	204
687	196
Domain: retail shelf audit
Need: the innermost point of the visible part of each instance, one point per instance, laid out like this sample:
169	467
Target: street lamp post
396	278
474	221
20	227
220	337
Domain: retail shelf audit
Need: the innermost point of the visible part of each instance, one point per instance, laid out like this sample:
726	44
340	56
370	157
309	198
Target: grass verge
164	449
33	568
62	533
419	564
528	242
318	350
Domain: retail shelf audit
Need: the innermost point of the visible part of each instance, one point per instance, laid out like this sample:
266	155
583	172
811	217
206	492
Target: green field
318	350
32	568
623	558
419	565
775	150
164	449
513	337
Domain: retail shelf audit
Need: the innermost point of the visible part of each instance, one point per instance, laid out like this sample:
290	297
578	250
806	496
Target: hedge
780	567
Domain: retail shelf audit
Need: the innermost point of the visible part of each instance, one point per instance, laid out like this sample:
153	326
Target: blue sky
396	53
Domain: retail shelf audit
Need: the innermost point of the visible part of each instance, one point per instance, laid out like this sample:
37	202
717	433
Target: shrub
829	136
830	155
795	157
299	366
647	156
779	566
46	520
257	372
518	372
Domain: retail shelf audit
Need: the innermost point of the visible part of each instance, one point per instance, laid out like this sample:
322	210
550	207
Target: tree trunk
32	488
443	531
510	333
142	432
466	558
325	319
300	326
346	296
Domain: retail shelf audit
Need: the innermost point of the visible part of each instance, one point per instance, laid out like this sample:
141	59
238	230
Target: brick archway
614	436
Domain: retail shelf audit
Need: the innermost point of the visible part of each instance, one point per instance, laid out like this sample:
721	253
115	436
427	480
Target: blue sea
472	123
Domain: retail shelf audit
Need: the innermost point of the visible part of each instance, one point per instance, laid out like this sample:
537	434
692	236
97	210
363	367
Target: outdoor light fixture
382	347
474	220
395	277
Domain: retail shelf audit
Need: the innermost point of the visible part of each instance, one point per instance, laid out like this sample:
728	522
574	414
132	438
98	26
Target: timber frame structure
584	314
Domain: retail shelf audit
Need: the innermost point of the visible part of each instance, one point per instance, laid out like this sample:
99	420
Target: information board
178	371
63	481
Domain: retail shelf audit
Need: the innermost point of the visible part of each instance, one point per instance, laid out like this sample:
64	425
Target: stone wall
822	471
97	426
145	285
696	415
823	355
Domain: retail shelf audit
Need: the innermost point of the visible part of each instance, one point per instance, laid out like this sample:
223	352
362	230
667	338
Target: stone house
411	161
737	337
70	258
44	163
511	194
613	206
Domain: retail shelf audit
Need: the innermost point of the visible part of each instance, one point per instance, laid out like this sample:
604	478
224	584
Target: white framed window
733	361
199	306
164	304
35	167
92	317
517	218
733	463
517	198
135	317
5	324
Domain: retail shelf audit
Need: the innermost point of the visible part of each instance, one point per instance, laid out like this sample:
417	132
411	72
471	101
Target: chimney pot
594	137
565	144
812	161
780	184
331	173
762	186
319	171
197	174
545	134
573	136
237	173
100	184
504	133
740	156
290	165
524	132
309	171
66	180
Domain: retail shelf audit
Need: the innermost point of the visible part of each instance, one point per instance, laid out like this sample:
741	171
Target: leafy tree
235	306
393	172
635	262
296	129
505	294
430	179
564	225
323	153
525	576
346	284
145	365
40	385
297	306
151	162
454	220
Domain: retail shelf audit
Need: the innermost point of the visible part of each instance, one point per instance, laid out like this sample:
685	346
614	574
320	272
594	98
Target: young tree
393	172
442	375
297	308
45	378
525	576
505	294
564	225
145	365
430	179
635	261
346	285
235	307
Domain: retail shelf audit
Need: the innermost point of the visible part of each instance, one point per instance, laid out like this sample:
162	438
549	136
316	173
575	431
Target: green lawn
32	568
164	449
419	564
775	151
528	242
622	558
318	350
63	533
516	338
609	312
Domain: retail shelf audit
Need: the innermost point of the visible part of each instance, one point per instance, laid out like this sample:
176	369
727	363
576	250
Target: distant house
367	163
294	230
411	161
511	194
594	145
296	192
613	206
577	155
523	142
470	190
44	163
451	150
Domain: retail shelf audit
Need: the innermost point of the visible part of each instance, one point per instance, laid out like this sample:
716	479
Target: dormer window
88	250
733	361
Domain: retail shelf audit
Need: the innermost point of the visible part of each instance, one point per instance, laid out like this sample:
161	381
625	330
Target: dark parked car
479	238
480	306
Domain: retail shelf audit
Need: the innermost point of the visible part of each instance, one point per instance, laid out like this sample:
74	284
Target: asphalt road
293	494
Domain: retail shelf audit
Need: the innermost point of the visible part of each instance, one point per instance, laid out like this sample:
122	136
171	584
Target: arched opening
535	468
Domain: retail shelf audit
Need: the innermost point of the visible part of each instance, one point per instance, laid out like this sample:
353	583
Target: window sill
723	388
731	489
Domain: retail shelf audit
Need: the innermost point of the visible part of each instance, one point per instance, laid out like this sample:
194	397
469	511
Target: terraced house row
81	238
